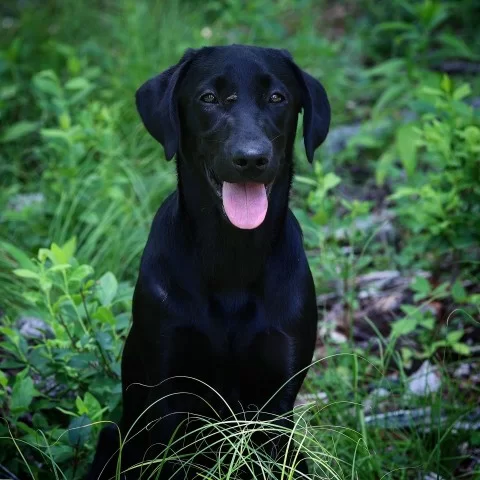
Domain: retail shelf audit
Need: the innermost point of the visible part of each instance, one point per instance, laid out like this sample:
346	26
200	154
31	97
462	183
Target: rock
311	398
337	337
432	476
422	420
24	200
338	138
419	418
374	398
463	370
425	380
32	327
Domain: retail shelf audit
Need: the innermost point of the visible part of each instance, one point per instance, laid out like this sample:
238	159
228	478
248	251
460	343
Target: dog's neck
229	257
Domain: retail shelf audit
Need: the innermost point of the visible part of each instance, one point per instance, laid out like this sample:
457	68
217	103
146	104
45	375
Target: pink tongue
245	204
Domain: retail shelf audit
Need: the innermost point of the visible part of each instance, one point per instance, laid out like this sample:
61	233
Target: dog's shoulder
293	227
165	216
289	260
167	258
164	237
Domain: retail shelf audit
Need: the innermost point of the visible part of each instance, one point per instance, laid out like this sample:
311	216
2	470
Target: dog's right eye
209	98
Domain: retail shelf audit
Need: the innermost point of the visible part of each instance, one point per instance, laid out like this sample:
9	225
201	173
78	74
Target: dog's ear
316	114
316	109
157	105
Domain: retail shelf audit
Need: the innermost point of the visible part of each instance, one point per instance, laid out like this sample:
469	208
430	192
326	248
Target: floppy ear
316	114
316	109
157	105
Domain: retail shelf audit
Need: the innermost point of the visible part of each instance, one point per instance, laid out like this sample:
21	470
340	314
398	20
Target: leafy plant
71	370
439	202
74	163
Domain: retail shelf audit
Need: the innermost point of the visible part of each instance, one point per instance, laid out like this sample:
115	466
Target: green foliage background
80	181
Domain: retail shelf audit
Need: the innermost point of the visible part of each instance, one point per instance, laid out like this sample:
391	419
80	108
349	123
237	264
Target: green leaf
421	285
43	254
107	290
404	326
461	348
3	379
78	83
384	165
305	180
455	336
81	408
18	131
402	192
446	84
47	82
407	354
458	292
105	315
330	181
62	454
430	91
69	248
457	45
65	121
80	273
60	268
92	405
475	299
406	143
56	135
18	255
387	68
58	256
66	412
23	392
45	284
427	322
105	340
462	92
388	96
24	273
79	431
40	422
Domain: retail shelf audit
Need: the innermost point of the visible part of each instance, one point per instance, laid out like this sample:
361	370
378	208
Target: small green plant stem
67	291
65	326
104	358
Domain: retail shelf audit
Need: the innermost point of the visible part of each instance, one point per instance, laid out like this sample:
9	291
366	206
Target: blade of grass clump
245	436
49	455
38	449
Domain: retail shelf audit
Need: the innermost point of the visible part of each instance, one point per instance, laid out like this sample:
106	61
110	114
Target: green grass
69	131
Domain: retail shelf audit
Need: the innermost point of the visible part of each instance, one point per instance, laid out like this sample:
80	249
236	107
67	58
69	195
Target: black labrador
225	301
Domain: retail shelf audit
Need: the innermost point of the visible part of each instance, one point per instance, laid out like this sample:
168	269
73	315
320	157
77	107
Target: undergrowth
389	213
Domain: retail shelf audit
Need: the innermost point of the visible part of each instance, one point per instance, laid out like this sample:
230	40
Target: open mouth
245	203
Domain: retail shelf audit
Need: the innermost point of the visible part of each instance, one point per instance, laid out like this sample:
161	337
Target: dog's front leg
269	382
164	391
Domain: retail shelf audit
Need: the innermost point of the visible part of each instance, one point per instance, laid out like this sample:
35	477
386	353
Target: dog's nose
251	161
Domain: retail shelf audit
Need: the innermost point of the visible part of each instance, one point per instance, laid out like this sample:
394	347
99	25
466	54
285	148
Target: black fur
234	308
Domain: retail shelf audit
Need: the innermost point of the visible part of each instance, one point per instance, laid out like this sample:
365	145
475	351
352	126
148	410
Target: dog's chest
233	320
236	348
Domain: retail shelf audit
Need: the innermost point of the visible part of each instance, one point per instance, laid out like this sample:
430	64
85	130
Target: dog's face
232	112
237	110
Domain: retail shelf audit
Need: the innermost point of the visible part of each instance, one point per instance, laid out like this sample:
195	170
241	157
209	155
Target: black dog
225	294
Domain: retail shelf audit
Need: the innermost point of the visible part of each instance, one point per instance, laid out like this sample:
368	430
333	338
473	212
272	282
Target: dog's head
232	111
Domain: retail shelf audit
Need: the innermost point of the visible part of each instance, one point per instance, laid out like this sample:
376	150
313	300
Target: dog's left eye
276	98
209	98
